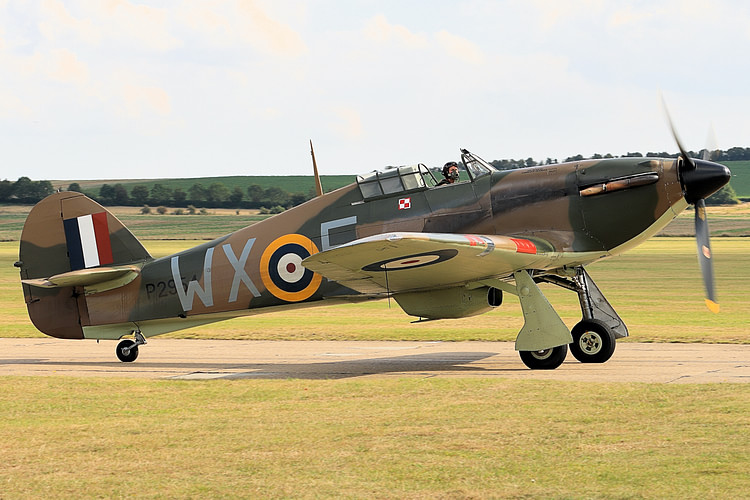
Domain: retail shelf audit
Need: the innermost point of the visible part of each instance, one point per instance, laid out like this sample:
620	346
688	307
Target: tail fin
69	235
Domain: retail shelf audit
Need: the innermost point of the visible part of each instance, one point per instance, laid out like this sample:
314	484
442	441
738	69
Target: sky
124	89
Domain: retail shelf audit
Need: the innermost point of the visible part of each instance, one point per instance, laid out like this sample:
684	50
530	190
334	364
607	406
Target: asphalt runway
239	359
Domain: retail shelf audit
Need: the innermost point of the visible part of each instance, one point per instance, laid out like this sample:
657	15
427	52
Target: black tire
546	359
130	347
593	341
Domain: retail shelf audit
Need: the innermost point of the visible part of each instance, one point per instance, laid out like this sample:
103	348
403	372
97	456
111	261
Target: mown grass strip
373	438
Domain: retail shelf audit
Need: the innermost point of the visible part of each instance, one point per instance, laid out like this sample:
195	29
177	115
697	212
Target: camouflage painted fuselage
575	212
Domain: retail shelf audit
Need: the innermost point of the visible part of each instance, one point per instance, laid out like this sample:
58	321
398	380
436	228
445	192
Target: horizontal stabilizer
95	280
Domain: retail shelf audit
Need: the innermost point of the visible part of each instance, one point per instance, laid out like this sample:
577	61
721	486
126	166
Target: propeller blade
704	254
699	183
711	144
687	161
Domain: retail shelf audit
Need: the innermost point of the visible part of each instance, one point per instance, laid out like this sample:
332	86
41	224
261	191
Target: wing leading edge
406	262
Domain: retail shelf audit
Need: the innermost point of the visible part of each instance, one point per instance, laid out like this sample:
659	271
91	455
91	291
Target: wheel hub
590	343
543	354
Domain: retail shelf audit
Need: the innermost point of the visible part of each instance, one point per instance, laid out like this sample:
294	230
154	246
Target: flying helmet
446	170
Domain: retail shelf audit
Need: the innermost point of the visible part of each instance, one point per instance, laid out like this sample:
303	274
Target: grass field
218	222
726	220
398	438
289	183
740	177
374	438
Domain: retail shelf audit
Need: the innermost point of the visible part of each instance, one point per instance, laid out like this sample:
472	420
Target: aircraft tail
70	242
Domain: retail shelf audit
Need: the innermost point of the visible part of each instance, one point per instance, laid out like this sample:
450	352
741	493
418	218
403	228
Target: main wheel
127	351
593	341
546	359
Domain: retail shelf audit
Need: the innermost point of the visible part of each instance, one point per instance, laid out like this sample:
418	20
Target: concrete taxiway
238	359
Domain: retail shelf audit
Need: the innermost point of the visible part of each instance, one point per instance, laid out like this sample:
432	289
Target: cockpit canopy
404	179
395	180
476	166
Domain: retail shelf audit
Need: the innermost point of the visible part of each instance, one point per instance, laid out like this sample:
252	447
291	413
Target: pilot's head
450	171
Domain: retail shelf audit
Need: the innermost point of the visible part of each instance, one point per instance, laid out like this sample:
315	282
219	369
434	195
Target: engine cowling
456	302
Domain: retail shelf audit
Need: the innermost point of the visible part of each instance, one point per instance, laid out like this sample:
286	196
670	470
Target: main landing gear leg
594	336
127	350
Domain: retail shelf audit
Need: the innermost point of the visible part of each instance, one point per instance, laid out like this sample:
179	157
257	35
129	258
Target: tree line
216	195
718	155
24	190
273	199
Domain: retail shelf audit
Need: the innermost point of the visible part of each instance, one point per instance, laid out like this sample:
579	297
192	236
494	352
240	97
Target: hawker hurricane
441	249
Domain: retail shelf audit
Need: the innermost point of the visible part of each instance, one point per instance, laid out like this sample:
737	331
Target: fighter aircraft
441	251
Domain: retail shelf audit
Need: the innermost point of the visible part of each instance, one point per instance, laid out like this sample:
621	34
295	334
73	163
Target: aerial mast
318	186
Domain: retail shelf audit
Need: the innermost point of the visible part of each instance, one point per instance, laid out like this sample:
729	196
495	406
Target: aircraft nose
704	180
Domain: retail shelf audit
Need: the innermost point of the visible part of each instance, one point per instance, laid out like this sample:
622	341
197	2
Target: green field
372	438
217	222
398	438
740	177
288	183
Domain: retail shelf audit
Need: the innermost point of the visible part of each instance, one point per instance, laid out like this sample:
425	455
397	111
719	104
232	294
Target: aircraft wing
401	262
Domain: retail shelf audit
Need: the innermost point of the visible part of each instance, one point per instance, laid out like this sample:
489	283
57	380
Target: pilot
450	172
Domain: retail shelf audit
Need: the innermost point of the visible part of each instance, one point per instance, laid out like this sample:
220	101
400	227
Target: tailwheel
546	359
127	351
593	341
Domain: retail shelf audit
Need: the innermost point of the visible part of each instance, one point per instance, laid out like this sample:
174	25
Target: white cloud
241	79
380	30
12	106
57	22
271	113
276	37
141	24
113	21
140	99
460	48
551	14
243	22
630	16
135	96
348	122
63	66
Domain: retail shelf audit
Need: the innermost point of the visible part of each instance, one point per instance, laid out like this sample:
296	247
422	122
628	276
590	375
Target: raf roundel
412	261
282	271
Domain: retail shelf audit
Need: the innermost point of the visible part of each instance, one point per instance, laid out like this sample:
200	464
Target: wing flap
400	262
